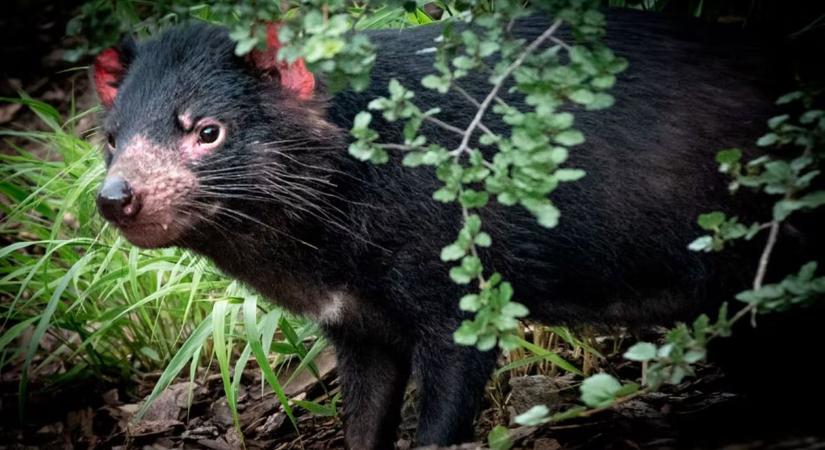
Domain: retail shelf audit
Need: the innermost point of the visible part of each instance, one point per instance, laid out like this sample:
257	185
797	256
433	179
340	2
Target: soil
699	414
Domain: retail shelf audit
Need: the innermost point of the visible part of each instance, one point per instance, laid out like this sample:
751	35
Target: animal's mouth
152	234
147	215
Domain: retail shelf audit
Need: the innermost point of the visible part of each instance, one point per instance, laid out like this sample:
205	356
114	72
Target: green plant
789	174
526	166
106	308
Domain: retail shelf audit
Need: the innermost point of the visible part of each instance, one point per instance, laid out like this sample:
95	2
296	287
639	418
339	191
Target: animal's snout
116	200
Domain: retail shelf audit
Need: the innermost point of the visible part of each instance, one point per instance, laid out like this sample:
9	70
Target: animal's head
197	137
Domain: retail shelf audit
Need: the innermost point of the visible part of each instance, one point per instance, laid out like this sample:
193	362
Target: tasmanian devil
244	160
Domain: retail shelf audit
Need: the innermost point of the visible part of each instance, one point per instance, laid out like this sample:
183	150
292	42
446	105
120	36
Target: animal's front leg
452	379
373	380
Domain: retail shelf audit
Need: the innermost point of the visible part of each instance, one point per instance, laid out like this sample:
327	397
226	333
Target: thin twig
466	95
761	270
560	43
766	254
615	403
487	130
444	125
475	103
759	278
497	86
397	147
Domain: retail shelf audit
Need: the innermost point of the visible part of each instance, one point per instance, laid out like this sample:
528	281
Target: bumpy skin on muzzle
116	201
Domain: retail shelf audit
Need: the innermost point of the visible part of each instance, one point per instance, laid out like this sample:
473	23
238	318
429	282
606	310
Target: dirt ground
699	414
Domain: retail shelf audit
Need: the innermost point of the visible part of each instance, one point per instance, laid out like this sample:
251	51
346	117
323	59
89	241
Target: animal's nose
116	201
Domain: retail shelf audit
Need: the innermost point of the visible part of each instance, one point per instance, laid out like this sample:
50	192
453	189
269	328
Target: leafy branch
685	346
522	168
482	108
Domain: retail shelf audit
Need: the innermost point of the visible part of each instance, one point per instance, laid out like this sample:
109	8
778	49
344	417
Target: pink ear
294	76
108	71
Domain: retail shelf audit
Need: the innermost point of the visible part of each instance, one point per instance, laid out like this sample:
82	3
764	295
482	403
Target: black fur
372	234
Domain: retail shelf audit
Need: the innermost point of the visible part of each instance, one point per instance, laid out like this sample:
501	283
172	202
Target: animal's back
619	254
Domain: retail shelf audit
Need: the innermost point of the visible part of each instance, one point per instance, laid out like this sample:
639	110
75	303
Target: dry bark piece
146	428
531	390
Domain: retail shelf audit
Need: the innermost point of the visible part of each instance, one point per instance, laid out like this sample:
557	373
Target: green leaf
534	416
703	243
789	97
487	48
767	140
730	156
471	198
547	214
604	81
245	45
505	291
580	54
810	116
483	240
813	200
470	302
395	88
774	122
599	390
582	96
569	138
712	220
499	439
464	62
460	275
513	309
471	264
508	342
473	223
361	150
601	100
694	356
466	334
362	120
445	195
413	159
452	252
486	342
641	351
783	208
560	121
440	84
569	174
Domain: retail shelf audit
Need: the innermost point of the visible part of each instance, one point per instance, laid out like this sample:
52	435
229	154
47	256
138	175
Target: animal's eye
209	134
110	139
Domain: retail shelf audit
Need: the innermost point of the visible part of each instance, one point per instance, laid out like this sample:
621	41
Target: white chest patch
333	309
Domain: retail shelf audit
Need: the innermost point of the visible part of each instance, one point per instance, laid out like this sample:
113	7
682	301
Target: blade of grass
41	329
253	338
190	350
548	355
